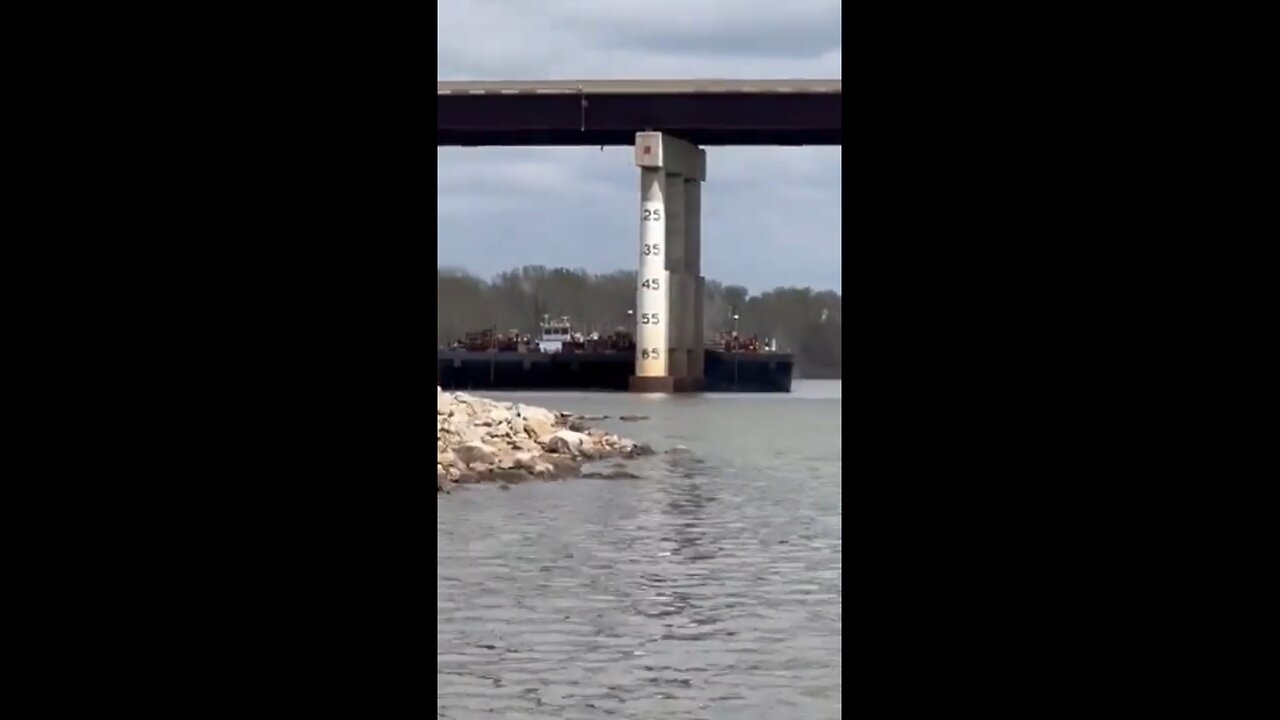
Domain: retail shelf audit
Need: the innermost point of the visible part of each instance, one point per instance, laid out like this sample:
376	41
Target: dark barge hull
722	371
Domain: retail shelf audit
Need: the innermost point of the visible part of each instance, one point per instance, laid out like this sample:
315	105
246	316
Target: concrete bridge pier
669	292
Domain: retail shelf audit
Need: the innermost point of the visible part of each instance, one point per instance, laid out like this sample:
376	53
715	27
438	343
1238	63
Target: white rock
525	460
501	434
567	442
529	412
539	428
526	445
474	434
475	453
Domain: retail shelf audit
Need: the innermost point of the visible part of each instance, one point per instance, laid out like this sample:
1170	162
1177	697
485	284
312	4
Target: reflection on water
709	588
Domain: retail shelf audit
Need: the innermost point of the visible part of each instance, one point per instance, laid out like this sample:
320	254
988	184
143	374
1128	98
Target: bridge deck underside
614	119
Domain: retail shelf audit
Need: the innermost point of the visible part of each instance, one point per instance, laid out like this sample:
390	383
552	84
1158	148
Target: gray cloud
771	215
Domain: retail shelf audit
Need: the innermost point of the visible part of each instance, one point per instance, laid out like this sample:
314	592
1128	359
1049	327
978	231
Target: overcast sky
771	216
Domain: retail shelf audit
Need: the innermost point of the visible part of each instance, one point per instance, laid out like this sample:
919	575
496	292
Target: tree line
804	321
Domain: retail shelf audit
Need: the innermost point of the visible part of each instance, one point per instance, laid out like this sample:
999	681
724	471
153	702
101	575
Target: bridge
611	112
668	122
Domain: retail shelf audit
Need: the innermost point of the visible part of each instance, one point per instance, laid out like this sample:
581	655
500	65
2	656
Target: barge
561	360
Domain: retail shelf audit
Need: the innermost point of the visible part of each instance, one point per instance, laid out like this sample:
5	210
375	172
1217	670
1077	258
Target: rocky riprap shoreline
486	440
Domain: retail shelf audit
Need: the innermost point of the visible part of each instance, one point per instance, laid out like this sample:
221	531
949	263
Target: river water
709	588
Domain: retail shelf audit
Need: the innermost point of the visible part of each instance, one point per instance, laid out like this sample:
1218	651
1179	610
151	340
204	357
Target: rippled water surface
710	588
